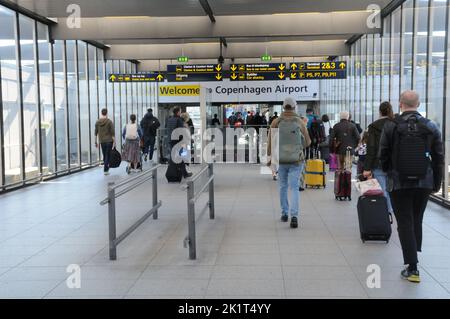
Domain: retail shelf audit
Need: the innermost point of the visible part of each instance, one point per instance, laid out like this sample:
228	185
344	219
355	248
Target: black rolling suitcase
374	218
173	173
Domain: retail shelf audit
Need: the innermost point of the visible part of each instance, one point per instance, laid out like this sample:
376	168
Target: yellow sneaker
411	275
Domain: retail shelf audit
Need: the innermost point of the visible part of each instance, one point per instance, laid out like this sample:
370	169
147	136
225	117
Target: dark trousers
409	206
106	150
149	145
182	164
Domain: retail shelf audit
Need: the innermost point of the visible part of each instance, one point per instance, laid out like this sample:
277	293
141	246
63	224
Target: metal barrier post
112	221
191	220
155	192
211	192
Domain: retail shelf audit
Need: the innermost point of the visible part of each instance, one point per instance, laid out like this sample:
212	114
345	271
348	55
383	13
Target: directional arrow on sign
112	78
282	67
233	67
219	76
281	75
160	77
233	76
294	66
342	65
218	67
293	75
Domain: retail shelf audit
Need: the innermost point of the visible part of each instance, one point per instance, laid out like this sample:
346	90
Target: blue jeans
382	179
288	177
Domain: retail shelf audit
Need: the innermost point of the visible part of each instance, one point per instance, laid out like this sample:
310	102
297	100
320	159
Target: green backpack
291	140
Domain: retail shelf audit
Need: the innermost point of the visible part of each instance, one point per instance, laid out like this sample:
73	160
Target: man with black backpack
149	125
411	152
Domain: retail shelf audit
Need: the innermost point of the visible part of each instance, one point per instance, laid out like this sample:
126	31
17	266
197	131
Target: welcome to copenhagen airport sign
242	91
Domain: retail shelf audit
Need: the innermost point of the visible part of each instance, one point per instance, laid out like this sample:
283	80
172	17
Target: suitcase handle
391	219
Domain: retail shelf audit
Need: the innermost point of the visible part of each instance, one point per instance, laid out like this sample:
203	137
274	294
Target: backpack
413	144
317	131
291	140
131	132
150	126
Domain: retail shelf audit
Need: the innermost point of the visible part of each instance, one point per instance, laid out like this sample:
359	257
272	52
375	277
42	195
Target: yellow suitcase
315	173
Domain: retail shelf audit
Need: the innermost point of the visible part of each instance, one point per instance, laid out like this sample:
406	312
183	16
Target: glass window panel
10	98
130	94
395	59
93	100
357	79
84	102
407	45
437	62
377	76
370	74
118	105
46	100
72	98
421	54
123	96
29	93
362	118
386	58
60	106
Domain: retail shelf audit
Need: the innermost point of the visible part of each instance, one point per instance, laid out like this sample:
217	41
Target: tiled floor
244	253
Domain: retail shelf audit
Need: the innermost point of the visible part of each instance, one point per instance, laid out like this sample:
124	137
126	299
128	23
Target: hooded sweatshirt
104	128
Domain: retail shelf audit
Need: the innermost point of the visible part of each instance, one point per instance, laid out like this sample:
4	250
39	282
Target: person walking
272	118
412	153
132	134
343	135
292	139
215	121
172	124
149	125
105	136
372	165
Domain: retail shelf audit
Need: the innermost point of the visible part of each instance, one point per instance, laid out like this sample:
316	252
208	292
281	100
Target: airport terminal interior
68	230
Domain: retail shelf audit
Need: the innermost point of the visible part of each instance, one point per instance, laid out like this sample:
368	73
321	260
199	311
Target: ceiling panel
161	8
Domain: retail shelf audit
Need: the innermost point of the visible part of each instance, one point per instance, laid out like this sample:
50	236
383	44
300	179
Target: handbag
370	187
115	158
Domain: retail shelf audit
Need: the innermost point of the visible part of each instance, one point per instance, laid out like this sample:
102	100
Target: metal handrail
138	180
192	197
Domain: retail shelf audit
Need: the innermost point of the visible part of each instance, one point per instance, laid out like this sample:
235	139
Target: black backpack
413	147
317	131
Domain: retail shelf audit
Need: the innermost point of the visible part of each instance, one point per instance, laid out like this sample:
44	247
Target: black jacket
372	160
173	123
150	125
433	179
347	134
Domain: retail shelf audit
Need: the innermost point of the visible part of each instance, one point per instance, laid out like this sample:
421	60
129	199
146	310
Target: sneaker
274	177
284	218
301	189
188	175
294	222
145	157
411	275
106	173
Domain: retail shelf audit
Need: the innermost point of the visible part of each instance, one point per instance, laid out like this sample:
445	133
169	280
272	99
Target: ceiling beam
205	5
224	42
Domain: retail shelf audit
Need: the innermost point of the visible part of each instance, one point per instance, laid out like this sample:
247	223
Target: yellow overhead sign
179	90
